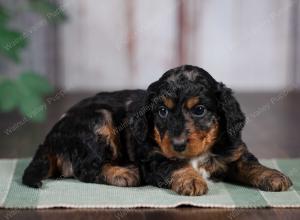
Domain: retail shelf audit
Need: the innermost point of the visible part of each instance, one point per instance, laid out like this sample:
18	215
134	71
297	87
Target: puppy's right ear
138	120
141	112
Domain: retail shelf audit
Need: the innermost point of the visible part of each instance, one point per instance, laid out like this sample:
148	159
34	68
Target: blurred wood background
250	45
106	45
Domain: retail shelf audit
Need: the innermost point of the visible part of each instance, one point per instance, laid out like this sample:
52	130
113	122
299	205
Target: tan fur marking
187	181
108	131
121	176
200	141
65	167
169	103
164	143
192	102
59	163
59	166
53	166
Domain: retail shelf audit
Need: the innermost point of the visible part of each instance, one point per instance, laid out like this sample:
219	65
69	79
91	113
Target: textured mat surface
72	193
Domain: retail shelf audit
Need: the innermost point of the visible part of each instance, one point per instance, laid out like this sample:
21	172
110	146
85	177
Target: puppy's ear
139	120
231	115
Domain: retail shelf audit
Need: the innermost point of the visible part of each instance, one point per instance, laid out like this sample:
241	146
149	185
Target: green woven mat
75	194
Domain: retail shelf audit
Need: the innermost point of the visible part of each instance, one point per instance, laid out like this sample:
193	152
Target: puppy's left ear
231	113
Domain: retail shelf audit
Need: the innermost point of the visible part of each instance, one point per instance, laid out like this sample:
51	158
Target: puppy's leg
247	170
92	167
38	169
93	170
174	174
112	172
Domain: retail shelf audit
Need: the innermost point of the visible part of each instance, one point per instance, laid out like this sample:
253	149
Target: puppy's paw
273	180
186	181
31	182
34	184
121	176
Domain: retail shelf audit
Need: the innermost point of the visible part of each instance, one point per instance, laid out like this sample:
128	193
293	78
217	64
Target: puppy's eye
163	112
199	111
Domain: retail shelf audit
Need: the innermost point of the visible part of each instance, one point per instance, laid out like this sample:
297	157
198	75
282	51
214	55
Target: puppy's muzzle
179	144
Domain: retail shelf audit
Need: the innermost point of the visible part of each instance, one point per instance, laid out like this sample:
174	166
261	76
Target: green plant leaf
11	42
52	12
33	87
36	83
8	95
33	107
30	103
26	93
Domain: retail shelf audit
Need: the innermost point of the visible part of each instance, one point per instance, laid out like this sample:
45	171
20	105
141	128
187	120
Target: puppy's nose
179	147
179	144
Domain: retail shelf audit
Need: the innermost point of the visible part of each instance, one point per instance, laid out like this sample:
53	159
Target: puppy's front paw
186	181
273	180
121	176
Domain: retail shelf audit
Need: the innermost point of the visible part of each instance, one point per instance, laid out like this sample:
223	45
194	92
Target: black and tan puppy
183	128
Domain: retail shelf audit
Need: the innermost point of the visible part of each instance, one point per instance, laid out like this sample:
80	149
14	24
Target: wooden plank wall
117	44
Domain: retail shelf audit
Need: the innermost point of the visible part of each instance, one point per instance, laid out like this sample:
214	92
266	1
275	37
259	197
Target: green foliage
48	10
26	92
8	95
36	83
11	42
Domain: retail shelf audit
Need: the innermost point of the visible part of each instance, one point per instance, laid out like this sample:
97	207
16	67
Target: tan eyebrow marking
191	102
169	103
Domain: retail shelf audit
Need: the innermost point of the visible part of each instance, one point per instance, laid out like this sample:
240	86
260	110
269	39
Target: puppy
184	128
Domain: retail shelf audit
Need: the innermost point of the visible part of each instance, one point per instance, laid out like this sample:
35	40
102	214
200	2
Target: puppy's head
186	113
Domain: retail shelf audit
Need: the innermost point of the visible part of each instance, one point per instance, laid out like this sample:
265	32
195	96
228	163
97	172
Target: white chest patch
197	162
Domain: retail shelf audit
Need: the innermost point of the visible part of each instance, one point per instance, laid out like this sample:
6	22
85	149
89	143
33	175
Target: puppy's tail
38	168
